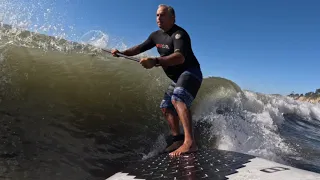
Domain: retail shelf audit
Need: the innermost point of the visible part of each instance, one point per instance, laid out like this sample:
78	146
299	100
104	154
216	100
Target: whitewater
68	110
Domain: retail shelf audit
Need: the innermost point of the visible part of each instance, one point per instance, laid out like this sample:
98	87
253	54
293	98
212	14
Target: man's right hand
114	52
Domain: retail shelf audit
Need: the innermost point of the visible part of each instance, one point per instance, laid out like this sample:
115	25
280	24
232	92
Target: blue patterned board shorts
184	89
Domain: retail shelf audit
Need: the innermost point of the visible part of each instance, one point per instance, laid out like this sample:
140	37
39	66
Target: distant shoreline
307	99
312	97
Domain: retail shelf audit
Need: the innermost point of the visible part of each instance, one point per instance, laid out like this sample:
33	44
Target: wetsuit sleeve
147	44
181	42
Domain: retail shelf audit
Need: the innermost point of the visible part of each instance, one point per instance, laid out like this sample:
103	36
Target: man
182	67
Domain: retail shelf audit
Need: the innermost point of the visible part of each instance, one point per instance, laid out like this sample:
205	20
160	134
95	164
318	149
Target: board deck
211	164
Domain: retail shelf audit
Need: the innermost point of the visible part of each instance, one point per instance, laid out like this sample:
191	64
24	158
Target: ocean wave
103	110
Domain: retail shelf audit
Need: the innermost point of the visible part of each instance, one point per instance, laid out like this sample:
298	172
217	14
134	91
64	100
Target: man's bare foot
185	148
175	145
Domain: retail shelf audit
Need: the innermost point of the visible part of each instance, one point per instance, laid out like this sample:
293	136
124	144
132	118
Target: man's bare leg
173	121
189	144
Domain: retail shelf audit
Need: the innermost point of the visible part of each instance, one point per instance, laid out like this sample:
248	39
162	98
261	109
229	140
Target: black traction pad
203	164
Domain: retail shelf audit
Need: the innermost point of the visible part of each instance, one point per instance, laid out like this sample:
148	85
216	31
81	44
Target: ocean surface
71	111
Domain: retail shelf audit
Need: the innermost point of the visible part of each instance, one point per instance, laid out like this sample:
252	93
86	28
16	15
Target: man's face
164	19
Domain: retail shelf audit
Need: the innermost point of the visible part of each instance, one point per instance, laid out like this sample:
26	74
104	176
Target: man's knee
178	103
181	97
164	110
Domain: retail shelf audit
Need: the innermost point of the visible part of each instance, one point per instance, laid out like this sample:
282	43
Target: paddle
121	55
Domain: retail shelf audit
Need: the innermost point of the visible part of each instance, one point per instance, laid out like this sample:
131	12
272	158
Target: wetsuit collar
173	26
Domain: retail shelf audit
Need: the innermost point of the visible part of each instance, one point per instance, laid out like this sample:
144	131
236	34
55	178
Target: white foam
96	38
42	17
252	126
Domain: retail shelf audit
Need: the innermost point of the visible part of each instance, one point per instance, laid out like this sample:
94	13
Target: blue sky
266	46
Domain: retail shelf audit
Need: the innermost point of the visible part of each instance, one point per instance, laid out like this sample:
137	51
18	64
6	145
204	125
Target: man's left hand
148	63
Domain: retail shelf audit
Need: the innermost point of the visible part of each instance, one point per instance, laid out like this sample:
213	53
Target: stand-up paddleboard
212	164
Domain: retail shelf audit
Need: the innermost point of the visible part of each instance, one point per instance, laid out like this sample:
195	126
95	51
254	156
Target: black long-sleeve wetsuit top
174	40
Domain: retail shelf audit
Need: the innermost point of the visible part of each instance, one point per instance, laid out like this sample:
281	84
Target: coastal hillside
312	97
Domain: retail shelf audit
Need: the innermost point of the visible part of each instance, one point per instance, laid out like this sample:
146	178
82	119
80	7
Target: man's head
165	17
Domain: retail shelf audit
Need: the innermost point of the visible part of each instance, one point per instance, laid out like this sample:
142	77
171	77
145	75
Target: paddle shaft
121	55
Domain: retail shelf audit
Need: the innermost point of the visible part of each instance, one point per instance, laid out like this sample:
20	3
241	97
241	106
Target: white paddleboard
212	164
